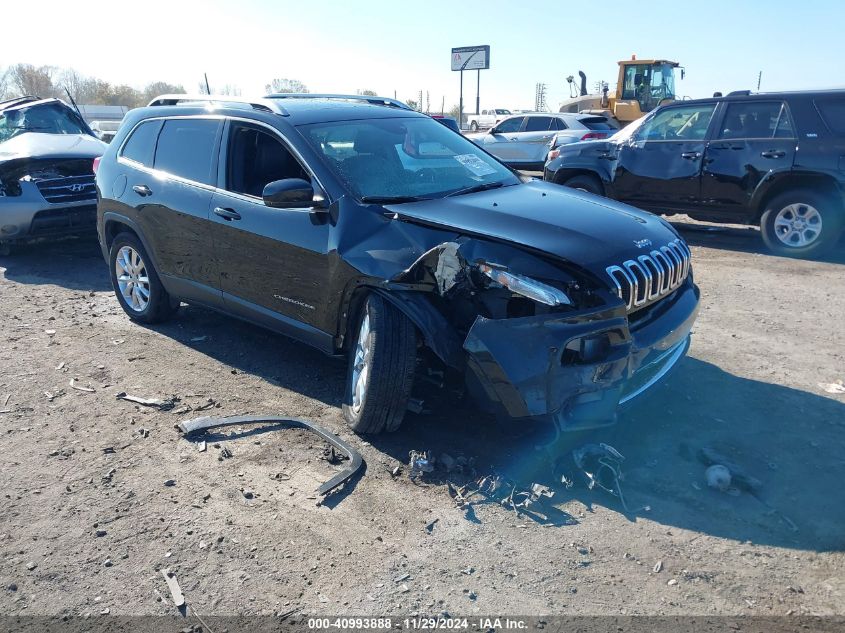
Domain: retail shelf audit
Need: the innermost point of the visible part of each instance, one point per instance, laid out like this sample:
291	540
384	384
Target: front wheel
801	223
584	182
382	362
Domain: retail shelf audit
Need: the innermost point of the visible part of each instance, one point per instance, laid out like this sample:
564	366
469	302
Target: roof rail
263	105
7	103
382	101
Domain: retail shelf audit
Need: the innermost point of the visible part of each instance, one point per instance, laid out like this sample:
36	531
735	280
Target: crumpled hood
36	145
578	227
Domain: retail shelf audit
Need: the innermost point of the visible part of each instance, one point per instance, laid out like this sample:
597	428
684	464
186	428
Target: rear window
596	123
833	114
185	148
141	143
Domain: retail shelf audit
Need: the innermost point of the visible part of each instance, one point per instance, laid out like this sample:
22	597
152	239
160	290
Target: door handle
142	190
691	155
773	153
513	138
227	214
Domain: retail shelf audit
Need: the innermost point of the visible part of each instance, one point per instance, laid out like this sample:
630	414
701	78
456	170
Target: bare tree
367	93
157	88
228	89
3	82
26	79
286	86
413	103
454	111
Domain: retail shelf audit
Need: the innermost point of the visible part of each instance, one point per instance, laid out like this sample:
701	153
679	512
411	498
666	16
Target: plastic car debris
600	462
355	460
163	405
173	585
420	462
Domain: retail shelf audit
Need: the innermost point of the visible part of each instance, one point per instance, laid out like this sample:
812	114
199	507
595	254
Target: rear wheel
136	283
801	223
584	182
381	368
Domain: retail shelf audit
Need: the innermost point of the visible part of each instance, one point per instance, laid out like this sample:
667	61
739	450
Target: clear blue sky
343	45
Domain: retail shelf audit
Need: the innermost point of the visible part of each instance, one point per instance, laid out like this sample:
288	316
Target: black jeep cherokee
776	159
364	228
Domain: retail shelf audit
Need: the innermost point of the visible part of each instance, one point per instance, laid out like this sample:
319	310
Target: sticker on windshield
475	164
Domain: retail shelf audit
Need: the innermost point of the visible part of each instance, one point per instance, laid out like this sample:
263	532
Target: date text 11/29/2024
416	623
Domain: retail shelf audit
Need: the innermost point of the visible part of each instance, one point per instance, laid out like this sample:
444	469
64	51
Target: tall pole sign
470	58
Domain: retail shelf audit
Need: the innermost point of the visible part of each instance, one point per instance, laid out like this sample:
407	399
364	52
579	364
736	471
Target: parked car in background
486	119
525	141
773	159
46	170
369	230
105	130
448	121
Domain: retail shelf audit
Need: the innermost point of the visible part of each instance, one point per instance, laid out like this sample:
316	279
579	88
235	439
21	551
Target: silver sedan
524	141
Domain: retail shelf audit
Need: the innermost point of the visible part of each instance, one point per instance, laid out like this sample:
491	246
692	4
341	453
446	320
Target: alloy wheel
132	278
361	365
798	225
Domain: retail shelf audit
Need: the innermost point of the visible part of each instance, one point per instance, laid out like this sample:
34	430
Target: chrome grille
651	276
68	188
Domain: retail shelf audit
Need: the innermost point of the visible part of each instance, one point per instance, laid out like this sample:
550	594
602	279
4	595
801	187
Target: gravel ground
89	519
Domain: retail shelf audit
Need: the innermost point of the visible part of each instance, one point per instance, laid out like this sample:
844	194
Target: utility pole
540	98
759	79
478	91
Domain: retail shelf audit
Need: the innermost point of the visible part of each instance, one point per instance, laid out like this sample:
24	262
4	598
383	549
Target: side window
186	148
538	124
678	124
768	119
142	143
255	158
558	124
833	114
508	126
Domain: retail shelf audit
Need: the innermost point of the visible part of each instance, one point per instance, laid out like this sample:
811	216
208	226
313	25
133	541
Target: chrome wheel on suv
135	281
802	223
132	279
361	365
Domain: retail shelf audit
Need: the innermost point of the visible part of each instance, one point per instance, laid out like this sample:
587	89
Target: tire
144	301
585	182
473	127
389	360
822	218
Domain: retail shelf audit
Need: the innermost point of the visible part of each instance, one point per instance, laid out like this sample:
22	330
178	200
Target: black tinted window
765	119
185	148
558	124
509	125
538	124
256	158
142	143
833	113
596	123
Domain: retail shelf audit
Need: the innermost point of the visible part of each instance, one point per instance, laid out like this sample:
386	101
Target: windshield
499	111
46	118
413	158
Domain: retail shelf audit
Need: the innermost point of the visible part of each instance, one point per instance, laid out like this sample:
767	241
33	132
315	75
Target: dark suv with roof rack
369	230
773	159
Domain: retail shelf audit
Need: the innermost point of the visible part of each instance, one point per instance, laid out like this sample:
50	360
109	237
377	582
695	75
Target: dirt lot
76	464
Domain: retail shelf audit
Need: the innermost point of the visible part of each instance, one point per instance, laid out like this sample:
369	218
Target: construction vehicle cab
642	86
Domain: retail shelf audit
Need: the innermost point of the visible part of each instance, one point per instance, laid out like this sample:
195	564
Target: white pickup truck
487	119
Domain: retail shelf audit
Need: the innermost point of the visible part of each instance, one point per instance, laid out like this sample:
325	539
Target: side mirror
288	193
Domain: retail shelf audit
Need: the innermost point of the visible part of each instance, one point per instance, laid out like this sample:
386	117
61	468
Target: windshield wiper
391	199
475	188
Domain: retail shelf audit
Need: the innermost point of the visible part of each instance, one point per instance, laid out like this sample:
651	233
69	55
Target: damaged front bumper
29	216
576	369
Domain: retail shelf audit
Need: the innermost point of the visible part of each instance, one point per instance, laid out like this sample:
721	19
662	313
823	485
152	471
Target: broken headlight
525	286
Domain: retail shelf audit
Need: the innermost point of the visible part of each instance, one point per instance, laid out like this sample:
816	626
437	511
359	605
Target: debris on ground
420	462
837	387
158	403
355	460
429	527
78	388
333	457
739	477
718	477
173	585
658	567
601	465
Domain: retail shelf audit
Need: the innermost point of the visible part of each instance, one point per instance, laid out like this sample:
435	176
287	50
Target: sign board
471	58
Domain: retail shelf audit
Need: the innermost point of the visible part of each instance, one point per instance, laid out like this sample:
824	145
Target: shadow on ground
75	263
744	239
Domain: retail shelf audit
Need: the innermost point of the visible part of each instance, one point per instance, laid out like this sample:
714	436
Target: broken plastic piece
355	460
597	462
